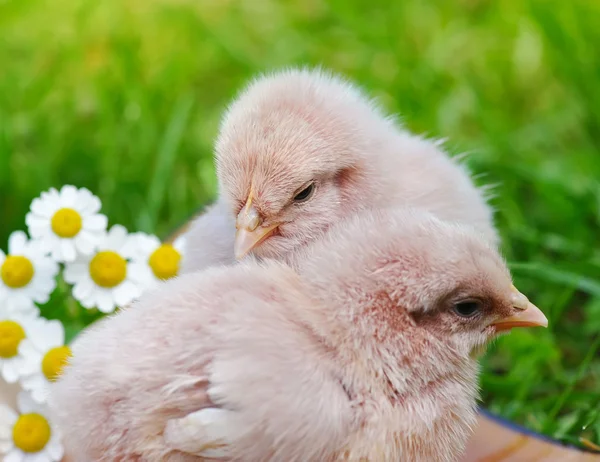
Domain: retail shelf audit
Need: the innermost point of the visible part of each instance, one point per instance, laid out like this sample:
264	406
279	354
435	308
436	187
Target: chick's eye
467	308
305	194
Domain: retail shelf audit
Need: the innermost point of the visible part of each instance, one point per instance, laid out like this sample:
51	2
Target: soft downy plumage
300	149
365	348
213	237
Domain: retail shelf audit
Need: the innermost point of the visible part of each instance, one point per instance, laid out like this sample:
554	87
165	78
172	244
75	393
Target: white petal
40	343
51	197
150	242
7	416
41	233
55	449
30	367
43	278
18	304
49	242
83	289
130	249
14	456
96	222
116	238
83	198
89	302
34	221
125	293
12	297
46	267
38	336
17	243
31	363
30	324
34	251
38	227
104	301
34	457
93	205
40	208
40	293
46	262
11	370
27	405
5	430
37	385
53	333
76	272
85	242
29	351
68	196
6	445
18	296
37	456
4	291
179	244
140	274
41	391
67	250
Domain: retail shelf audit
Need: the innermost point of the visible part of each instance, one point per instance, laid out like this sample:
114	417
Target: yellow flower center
164	261
16	271
54	361
11	334
31	433
108	269
66	222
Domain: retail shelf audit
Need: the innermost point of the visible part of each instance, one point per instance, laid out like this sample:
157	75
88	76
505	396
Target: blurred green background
124	97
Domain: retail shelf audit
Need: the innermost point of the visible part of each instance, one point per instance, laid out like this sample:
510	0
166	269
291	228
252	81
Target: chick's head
291	159
405	274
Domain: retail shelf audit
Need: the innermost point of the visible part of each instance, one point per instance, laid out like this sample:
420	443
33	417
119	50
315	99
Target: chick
364	351
213	237
300	149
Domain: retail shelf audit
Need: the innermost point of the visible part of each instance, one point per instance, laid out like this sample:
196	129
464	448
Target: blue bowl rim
526	431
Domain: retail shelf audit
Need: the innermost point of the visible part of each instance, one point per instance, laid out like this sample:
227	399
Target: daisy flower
28	435
106	279
45	356
27	275
66	223
14	328
155	260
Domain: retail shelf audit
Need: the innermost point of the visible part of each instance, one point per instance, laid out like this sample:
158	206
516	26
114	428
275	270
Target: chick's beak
528	314
250	231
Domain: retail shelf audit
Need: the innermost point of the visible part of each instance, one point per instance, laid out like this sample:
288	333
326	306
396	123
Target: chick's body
234	328
357	353
212	238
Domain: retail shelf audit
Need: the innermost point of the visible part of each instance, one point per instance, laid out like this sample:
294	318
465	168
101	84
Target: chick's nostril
248	219
253	220
519	301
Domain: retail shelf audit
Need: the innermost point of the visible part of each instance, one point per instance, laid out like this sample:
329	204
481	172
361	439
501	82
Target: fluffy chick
300	149
210	240
364	352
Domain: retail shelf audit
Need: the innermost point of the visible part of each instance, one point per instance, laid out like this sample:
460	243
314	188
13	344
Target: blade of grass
557	275
165	160
569	389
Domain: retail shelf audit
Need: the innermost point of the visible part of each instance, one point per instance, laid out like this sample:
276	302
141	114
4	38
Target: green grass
124	97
